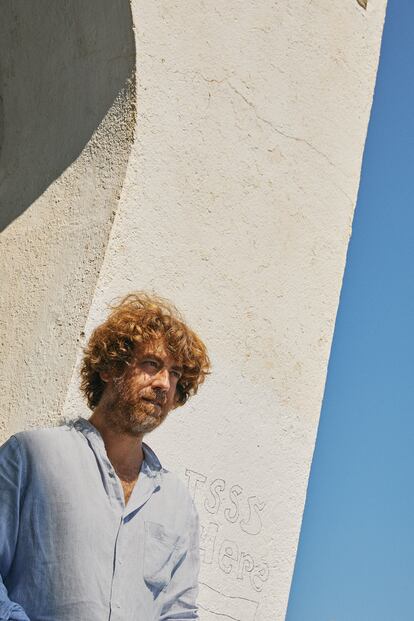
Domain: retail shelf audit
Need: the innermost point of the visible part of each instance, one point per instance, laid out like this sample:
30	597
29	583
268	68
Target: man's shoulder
174	489
175	484
42	438
176	504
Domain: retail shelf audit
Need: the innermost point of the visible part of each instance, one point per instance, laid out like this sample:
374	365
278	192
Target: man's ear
177	399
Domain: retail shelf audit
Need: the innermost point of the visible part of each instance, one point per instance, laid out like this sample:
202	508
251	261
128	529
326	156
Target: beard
131	412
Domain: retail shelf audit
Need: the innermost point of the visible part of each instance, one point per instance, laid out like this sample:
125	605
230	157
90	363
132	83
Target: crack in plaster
284	134
278	130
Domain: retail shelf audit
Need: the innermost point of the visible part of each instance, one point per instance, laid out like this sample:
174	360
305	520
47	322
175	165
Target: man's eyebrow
176	367
152	356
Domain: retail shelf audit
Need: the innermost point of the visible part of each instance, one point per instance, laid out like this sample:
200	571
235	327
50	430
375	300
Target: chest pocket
161	552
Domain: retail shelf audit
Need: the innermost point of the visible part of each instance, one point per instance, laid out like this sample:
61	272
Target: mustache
155	395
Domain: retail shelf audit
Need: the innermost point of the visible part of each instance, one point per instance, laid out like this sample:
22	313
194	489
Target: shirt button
112	474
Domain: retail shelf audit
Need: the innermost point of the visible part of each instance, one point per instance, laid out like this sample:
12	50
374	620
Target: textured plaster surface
67	119
238	204
236	199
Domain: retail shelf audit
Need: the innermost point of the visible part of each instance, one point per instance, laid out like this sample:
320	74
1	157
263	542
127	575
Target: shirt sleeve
11	483
181	593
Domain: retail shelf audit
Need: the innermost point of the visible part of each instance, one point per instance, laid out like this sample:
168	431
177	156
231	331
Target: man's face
139	400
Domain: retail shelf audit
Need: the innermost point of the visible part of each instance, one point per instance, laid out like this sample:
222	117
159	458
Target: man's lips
154	401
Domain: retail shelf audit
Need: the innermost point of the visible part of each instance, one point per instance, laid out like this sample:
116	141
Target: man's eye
176	374
151	363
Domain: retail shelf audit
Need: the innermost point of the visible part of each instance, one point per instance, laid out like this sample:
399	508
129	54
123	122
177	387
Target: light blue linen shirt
70	550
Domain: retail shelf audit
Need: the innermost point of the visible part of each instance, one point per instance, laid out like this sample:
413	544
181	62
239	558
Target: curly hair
137	319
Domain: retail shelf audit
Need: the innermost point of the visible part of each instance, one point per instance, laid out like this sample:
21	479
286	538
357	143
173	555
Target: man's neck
124	451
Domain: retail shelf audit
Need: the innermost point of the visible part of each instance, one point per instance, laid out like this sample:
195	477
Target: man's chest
127	487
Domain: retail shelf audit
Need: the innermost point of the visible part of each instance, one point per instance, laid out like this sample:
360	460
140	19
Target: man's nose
162	380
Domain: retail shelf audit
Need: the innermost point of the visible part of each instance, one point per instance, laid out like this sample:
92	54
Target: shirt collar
151	464
151	460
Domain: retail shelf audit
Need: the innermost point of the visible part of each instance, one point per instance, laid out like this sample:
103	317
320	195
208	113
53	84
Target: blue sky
356	551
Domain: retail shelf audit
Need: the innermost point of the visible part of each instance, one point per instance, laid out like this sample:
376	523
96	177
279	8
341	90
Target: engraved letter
259	575
232	514
216	486
253	525
246	563
228	555
207	542
193	478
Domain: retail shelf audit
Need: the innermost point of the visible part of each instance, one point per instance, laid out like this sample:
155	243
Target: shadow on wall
62	65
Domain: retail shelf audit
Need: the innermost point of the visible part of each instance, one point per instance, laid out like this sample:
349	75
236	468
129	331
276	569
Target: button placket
115	599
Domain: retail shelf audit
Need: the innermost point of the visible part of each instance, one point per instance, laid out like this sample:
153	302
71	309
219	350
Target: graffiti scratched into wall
222	504
221	606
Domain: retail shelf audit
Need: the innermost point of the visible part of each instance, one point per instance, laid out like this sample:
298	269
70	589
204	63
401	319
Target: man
91	526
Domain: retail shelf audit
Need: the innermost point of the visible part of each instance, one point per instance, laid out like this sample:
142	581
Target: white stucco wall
237	203
67	80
